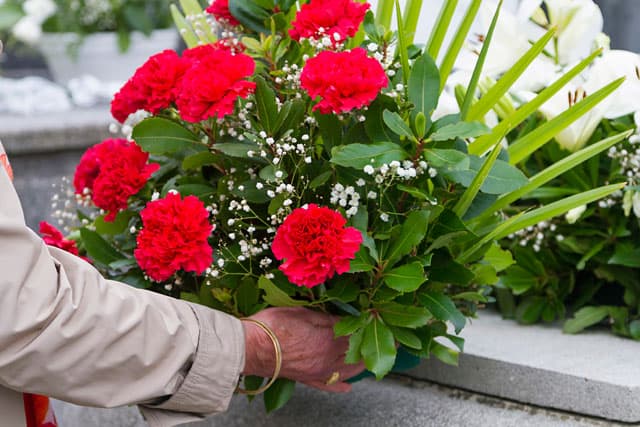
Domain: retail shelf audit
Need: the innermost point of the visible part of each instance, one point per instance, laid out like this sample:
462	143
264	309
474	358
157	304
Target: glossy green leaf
464	202
411	234
378	348
404	316
354	352
627	256
501	179
447	159
396	124
276	396
442	308
266	105
518	279
236	149
406	278
98	248
349	324
358	156
406	337
157	135
445	354
424	85
460	130
500	259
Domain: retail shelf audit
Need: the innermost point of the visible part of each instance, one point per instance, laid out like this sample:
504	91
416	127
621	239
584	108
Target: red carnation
214	82
111	172
343	80
220	9
315	245
337	19
152	87
174	237
53	237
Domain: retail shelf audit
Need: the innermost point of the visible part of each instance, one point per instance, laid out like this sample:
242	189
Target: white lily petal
611	66
578	37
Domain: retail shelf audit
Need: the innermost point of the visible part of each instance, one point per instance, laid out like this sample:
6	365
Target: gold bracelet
278	350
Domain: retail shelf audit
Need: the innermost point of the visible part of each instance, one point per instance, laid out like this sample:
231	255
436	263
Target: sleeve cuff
210	383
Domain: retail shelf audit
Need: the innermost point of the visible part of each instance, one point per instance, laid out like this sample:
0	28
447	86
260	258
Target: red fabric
343	80
174	237
315	245
38	411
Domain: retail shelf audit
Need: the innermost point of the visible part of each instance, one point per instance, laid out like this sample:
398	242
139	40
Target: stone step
593	373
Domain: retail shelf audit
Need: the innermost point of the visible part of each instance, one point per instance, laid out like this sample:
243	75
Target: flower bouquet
295	160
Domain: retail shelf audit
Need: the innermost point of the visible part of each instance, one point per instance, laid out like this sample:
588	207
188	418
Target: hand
310	353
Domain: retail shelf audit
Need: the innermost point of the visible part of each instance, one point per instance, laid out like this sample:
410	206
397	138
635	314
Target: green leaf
412	233
530	310
406	337
247	296
157	135
250	14
290	115
117	226
523	147
188	296
585	317
355	347
320	179
403	45
350	324
445	354
268	173
276	396
439	31
266	105
184	27
443	308
445	270
9	15
198	160
236	149
397	125
634	329
460	130
500	259
447	159
358	156
489	99
627	256
378	348
411	15
424	85
98	248
345	290
467	197
518	279
404	316
502	178
406	278
362	262
275	296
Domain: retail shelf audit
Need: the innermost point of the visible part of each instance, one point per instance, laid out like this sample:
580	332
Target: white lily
636	204
578	24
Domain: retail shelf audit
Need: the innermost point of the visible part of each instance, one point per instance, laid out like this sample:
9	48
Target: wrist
259	354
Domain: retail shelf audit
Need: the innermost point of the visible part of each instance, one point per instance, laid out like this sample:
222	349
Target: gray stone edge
535	386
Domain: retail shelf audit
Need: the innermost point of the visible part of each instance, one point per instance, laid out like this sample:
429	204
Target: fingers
333	388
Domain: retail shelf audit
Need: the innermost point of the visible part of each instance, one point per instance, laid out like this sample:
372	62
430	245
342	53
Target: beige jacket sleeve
68	333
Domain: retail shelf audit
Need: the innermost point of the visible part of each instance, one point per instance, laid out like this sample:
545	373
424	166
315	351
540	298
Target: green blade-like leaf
457	42
529	143
553	171
443	308
483	143
184	28
411	15
462	206
477	71
402	45
384	13
202	28
378	348
439	31
558	208
488	100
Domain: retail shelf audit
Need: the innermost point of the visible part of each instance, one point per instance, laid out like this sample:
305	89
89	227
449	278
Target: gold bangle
278	350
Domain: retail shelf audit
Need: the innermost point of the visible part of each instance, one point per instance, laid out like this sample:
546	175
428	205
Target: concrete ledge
392	402
594	373
43	133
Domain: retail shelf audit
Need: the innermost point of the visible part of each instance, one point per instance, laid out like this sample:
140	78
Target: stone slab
392	402
593	373
44	133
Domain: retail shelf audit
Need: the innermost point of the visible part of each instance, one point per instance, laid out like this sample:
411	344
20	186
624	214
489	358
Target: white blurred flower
613	65
574	214
27	30
39	10
636	204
